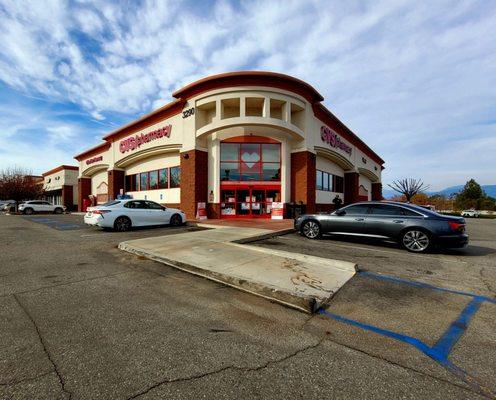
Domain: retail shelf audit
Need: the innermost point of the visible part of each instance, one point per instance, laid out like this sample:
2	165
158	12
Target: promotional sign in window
277	210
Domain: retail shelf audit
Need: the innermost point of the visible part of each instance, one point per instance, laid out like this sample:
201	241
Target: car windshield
110	203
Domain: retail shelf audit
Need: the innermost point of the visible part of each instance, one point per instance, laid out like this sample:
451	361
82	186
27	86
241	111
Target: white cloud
412	79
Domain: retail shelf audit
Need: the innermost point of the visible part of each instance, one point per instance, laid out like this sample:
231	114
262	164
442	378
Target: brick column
194	180
84	190
376	191
303	171
115	183
350	187
67	199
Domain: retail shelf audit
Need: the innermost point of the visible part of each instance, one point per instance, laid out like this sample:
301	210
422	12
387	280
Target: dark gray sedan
415	228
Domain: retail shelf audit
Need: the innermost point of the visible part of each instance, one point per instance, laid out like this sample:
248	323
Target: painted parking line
444	345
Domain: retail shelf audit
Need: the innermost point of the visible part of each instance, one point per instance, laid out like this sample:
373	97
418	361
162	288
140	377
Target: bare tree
19	184
408	187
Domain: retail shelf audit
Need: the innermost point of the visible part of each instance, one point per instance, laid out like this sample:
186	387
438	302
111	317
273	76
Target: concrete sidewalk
300	281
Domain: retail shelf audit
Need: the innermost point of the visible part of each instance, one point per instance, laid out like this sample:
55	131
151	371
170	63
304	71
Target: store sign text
94	160
332	139
134	142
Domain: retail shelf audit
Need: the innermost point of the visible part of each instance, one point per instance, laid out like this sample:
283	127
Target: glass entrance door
248	201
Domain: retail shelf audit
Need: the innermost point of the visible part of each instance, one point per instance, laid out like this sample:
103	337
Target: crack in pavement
30	379
223	369
45	349
467	388
485	281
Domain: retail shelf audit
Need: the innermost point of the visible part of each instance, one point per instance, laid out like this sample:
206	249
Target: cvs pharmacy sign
134	142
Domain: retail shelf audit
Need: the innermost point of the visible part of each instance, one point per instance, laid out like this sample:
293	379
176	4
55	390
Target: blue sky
416	80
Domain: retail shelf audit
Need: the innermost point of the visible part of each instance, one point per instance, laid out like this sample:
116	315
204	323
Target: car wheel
122	224
28	211
176	220
58	210
416	240
311	230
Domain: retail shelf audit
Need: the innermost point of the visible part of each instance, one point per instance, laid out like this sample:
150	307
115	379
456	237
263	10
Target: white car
122	215
36	206
471	213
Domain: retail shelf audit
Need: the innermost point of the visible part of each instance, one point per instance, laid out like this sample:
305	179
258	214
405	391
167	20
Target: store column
351	183
376	191
115	183
194	180
303	176
67	199
84	191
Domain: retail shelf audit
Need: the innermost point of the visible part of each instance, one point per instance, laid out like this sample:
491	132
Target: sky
416	80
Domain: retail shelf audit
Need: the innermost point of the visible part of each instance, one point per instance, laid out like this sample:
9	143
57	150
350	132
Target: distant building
61	186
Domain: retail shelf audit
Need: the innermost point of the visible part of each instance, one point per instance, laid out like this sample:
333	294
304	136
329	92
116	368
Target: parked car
7	205
122	215
415	228
40	206
470	213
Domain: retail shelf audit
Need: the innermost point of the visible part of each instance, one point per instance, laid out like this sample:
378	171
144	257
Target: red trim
93	151
169	110
249	78
250	187
60	168
251	139
329	119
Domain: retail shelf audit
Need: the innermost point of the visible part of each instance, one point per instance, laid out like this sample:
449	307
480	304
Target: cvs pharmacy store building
237	142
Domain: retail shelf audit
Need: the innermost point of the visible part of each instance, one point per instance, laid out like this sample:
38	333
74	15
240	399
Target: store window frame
134	182
327	182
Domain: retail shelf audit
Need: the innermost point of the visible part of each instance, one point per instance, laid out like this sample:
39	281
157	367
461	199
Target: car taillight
456	226
101	211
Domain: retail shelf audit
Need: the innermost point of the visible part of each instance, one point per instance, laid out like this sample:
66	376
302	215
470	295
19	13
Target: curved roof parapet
250	78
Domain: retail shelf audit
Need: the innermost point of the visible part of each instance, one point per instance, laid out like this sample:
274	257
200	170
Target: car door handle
398	221
359	219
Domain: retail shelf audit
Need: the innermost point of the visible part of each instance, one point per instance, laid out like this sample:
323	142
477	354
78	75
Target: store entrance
249	201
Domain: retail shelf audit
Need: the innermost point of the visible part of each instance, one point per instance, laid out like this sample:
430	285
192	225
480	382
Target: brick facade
67	197
115	181
84	190
351	180
194	180
303	172
377	191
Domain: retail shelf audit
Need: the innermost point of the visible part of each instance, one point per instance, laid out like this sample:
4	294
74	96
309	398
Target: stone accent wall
67	197
303	171
376	191
351	184
115	181
194	180
84	190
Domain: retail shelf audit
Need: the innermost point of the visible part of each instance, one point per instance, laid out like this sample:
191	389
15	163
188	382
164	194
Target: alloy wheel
122	224
416	241
311	229
175	220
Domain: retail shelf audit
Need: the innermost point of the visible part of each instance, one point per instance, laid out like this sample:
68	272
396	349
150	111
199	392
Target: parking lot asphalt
84	320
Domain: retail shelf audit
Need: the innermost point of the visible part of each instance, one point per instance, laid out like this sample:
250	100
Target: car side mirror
340	212
164	208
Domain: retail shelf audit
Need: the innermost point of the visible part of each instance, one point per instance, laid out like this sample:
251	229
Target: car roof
410	206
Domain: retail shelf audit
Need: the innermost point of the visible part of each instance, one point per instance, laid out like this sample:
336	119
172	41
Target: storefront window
319	180
153	180
250	162
175	177
329	182
144	181
162	178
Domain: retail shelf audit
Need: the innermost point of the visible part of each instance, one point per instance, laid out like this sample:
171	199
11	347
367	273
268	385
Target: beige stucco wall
188	133
367	184
97	179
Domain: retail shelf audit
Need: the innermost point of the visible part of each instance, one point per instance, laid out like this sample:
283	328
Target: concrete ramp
297	280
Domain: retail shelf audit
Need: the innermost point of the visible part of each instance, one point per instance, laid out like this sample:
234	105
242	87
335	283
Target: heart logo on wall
250	159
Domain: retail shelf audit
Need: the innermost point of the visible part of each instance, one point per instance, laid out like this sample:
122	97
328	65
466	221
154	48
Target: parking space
85	320
441	304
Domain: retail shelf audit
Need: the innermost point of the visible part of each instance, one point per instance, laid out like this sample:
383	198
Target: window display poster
277	210
201	211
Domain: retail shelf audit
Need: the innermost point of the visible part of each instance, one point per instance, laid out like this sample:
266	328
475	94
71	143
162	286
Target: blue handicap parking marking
443	347
56	224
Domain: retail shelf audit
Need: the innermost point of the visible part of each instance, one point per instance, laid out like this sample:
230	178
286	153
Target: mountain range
490	190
